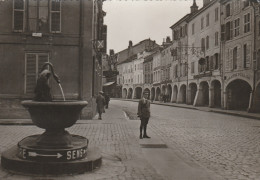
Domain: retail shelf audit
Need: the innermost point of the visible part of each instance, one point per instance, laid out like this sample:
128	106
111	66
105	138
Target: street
185	144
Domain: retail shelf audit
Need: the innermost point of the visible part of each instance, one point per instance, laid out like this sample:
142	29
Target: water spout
62	92
42	90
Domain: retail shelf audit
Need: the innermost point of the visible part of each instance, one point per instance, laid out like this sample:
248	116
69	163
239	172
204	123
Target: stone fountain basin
54	114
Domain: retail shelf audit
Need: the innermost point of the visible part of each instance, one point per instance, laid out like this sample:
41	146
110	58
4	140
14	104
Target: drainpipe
251	101
80	51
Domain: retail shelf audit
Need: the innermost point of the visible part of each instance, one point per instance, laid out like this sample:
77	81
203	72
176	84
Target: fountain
56	151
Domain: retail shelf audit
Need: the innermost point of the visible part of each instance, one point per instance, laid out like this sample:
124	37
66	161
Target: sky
137	20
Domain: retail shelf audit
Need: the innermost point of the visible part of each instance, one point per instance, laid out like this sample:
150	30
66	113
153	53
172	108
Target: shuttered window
18	15
235	58
33	65
55	16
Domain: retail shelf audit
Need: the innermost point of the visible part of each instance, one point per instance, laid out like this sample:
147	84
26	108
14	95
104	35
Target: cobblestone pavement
227	145
121	154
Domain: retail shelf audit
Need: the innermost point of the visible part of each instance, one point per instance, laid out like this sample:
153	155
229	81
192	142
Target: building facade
213	59
59	32
204	81
238	52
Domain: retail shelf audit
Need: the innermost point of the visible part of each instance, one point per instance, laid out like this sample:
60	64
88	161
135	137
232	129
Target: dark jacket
144	108
100	103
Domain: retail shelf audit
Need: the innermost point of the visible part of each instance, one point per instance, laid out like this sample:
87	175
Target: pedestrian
107	98
144	114
100	104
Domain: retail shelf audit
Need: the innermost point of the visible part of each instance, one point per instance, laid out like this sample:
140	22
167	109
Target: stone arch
256	100
138	92
124	93
182	94
169	93
130	93
153	94
158	93
175	93
215	89
163	89
238	94
193	91
204	98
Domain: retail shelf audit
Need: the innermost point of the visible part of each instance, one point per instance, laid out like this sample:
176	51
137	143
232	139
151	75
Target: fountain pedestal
55	151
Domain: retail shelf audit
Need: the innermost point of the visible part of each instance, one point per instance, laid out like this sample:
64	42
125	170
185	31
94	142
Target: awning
109	83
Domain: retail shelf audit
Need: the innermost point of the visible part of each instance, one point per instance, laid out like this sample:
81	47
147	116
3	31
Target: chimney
130	49
111	52
168	39
194	7
130	44
205	2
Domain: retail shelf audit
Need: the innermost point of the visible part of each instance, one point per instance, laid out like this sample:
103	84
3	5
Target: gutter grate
153	146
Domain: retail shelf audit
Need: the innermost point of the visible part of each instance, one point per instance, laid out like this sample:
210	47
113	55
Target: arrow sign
34	154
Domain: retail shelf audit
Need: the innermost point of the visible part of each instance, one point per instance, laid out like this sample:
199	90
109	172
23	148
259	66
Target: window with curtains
33	65
236	27
216	14
18	15
207	20
207	42
192	67
202	23
247	23
37	16
203	45
55	16
228	10
193	29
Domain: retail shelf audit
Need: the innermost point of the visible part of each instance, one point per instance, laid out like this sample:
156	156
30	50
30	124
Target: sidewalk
121	153
208	109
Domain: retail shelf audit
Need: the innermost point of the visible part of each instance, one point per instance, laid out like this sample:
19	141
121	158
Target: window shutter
30	80
227	58
248	56
231	29
230	59
223	26
211	63
42	58
239	60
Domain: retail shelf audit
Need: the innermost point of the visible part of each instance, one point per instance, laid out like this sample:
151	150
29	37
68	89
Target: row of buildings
212	60
69	34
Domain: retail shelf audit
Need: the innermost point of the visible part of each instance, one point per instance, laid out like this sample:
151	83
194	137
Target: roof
131	58
180	21
202	9
150	57
135	49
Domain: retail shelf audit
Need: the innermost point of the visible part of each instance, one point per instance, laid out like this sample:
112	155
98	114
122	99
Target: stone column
199	97
225	99
211	97
188	96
